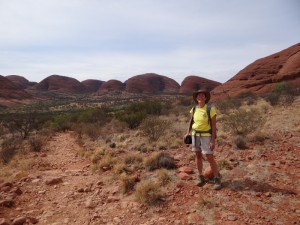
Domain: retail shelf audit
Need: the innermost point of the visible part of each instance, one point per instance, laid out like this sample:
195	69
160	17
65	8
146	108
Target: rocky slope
9	90
92	85
20	81
193	83
262	75
60	84
151	83
111	86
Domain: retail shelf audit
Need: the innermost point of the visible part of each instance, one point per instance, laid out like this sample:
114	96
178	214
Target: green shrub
95	115
149	106
62	122
160	160
21	123
154	127
133	120
229	104
242	121
281	87
136	112
93	131
272	98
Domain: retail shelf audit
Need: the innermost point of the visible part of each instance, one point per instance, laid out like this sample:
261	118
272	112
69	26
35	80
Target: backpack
208	108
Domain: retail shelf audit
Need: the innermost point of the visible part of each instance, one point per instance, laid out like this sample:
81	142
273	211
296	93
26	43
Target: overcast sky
118	39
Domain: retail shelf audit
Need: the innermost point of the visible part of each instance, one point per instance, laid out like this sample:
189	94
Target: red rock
61	84
262	75
9	90
19	221
151	83
185	176
20	81
194	83
53	181
111	85
92	85
186	169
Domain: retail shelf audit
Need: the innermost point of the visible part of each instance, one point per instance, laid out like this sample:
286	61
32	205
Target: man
203	135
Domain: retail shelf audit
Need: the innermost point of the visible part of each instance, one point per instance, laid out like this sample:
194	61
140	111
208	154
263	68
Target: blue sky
118	39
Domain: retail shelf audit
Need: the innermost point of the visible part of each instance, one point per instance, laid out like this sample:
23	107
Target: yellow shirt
201	120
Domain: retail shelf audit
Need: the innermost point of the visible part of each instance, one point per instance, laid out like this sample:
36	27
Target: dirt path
63	190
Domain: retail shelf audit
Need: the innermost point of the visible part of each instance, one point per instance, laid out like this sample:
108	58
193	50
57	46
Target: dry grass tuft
149	192
128	183
204	203
163	177
224	164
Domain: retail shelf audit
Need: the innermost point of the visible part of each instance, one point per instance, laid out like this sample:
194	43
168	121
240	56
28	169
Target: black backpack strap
208	108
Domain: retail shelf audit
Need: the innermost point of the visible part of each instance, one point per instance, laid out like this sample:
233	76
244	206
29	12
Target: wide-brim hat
207	95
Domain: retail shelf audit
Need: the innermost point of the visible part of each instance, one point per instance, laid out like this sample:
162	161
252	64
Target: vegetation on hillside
119	134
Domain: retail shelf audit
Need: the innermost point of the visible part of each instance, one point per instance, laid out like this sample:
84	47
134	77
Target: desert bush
108	161
9	148
154	127
228	105
133	119
248	97
272	98
243	121
160	160
92	130
240	142
149	192
36	143
136	112
185	101
282	93
97	155
22	123
288	99
281	87
94	115
258	137
128	183
62	122
133	158
120	168
150	106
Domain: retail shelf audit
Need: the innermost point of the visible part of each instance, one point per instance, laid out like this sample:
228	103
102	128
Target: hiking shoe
201	181
217	185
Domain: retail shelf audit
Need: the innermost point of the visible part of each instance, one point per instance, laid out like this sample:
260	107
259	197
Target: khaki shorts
201	144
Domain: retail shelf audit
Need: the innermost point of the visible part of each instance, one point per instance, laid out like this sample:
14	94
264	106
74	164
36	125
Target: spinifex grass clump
149	192
160	160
